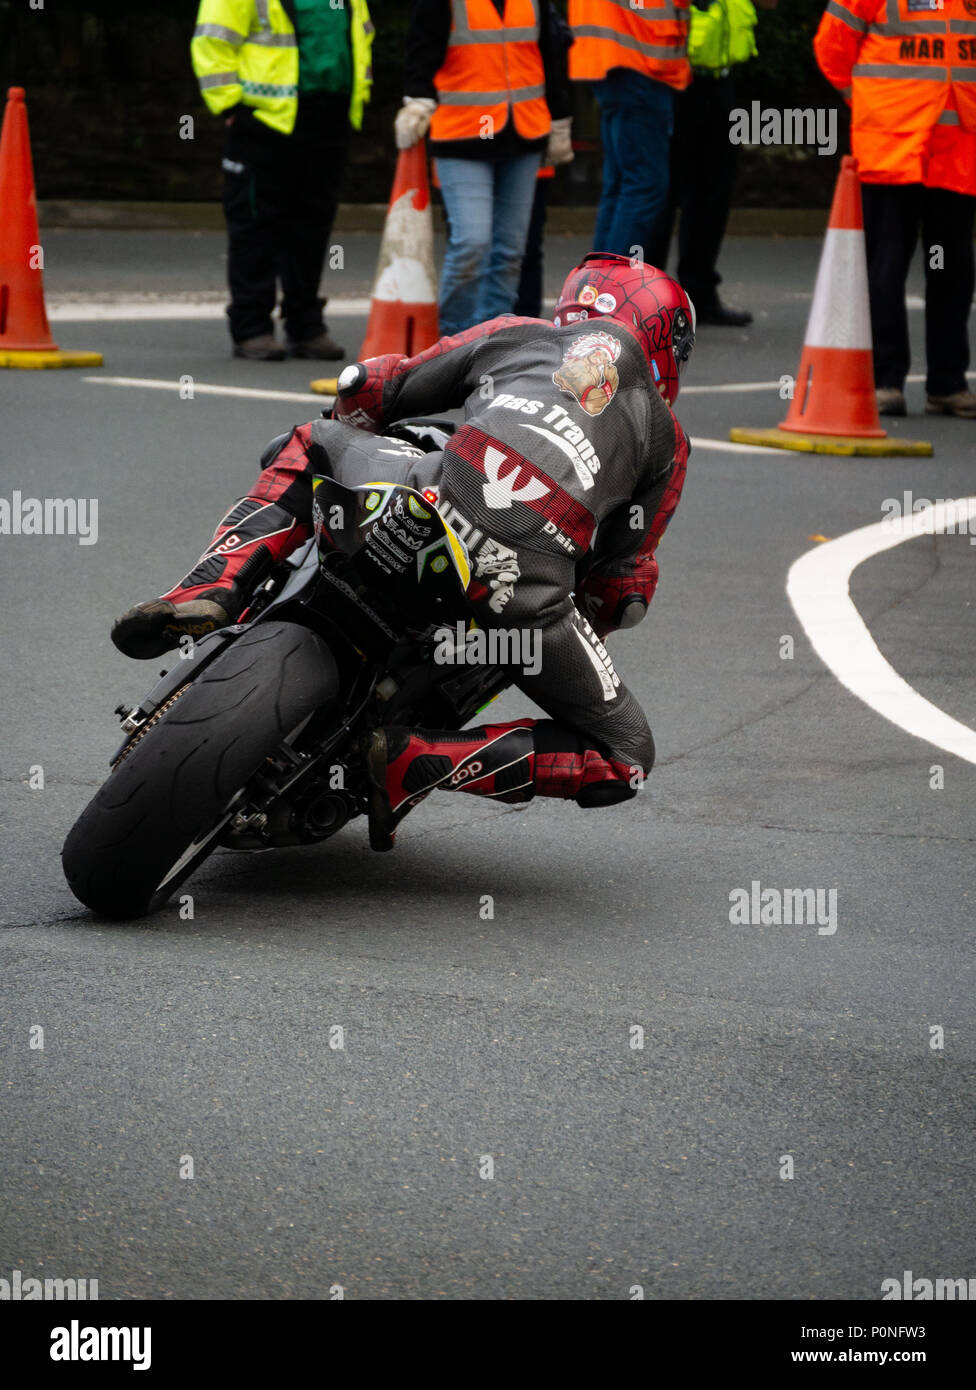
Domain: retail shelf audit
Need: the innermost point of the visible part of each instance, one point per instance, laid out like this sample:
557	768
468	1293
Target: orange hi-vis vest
952	155
651	37
493	63
912	71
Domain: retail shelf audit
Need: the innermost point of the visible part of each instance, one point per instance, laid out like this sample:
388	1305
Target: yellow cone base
325	386
889	447
48	357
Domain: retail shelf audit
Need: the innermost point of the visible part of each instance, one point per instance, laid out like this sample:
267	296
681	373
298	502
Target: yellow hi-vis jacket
247	51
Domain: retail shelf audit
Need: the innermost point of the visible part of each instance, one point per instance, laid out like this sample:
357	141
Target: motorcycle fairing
397	537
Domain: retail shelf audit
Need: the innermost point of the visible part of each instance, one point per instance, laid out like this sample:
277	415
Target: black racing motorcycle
253	738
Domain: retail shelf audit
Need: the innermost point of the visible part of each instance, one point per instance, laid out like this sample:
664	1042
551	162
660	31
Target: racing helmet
644	300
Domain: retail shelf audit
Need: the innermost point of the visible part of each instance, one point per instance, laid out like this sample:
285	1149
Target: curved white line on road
818	586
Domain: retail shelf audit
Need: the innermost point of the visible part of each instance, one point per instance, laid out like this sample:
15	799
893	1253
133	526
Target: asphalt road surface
797	1123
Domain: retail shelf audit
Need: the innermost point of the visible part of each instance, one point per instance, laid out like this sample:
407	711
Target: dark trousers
894	215
703	162
636	115
528	304
280	198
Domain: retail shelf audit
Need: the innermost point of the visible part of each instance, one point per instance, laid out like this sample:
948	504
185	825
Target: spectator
528	301
910	76
477	75
703	158
290	77
636	58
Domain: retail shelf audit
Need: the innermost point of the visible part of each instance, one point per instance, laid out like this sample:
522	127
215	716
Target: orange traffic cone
834	409
834	391
25	334
403	317
403	313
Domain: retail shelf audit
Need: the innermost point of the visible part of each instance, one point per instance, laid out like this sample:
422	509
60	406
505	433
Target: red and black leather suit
564	474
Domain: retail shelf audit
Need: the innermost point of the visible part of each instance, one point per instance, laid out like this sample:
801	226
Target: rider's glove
359	399
413	120
609	602
560	147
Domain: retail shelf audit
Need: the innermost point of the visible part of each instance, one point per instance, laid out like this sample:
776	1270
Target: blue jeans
488	207
636	119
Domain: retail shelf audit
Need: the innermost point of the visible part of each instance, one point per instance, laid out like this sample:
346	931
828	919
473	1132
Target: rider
561	482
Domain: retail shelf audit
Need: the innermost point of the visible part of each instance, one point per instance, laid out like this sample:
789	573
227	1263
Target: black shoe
322	347
261	349
155	628
718	313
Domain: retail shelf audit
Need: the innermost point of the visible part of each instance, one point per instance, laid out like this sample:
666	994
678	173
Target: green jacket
721	35
246	51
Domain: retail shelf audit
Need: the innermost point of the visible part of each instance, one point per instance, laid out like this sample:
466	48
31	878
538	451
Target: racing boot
253	536
405	765
508	762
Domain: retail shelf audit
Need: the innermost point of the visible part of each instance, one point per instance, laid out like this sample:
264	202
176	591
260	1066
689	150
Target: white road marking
740	386
731	386
202	388
912	301
726	446
134	310
818	586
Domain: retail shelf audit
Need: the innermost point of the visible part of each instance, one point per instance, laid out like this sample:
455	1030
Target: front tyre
160	813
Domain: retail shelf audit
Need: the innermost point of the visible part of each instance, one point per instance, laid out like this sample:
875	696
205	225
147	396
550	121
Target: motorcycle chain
141	733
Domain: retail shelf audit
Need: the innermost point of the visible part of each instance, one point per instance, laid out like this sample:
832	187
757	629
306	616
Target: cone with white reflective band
834	392
25	334
403	317
834	408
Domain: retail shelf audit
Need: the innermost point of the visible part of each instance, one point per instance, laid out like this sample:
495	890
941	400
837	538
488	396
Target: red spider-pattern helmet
646	301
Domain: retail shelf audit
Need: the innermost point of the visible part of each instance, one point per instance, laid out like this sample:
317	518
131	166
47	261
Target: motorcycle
253	738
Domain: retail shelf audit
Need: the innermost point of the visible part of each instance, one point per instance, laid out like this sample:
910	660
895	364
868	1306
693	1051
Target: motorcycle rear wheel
161	811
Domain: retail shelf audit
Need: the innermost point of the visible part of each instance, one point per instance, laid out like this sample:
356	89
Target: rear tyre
159	814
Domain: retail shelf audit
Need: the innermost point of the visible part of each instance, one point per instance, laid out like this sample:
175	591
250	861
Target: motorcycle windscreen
401	544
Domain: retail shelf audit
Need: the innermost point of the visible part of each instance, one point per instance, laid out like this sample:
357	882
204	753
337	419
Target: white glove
413	120
560	147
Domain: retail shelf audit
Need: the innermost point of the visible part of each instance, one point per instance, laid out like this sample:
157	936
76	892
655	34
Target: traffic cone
25	334
403	313
834	409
